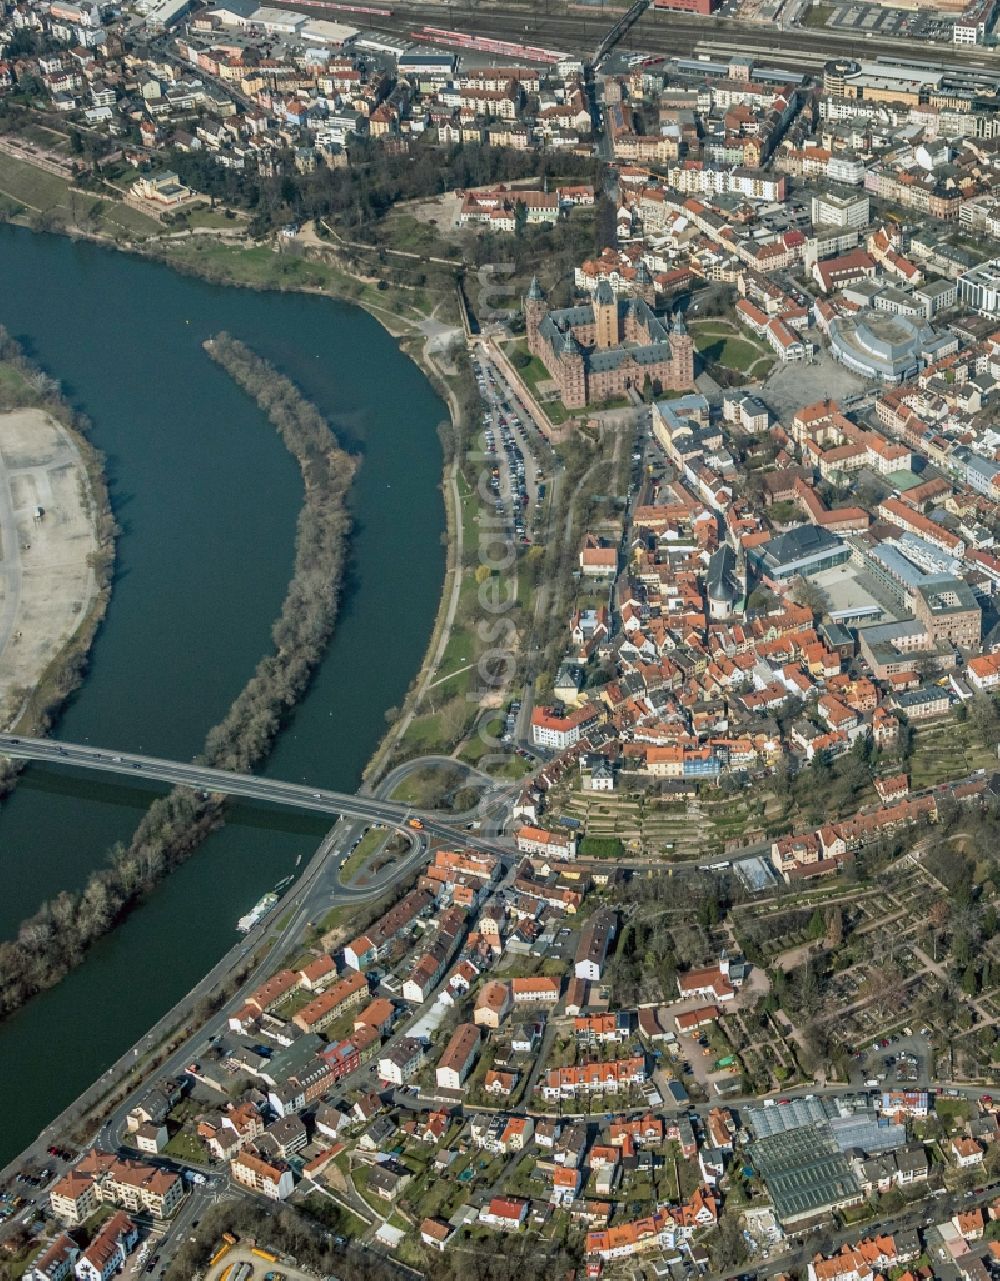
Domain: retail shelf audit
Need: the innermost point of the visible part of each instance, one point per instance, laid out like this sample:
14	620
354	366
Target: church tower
533	305
606	327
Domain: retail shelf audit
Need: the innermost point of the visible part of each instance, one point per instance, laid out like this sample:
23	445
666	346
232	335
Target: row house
322	1010
594	1078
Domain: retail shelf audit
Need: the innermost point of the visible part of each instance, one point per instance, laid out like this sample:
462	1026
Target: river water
207	498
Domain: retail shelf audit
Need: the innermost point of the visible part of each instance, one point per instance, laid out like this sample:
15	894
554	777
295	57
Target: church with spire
599	350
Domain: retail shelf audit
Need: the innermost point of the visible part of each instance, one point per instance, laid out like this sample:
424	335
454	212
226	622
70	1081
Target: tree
761	601
729	1250
961	949
983	714
605	224
454	717
808	994
885	989
811	595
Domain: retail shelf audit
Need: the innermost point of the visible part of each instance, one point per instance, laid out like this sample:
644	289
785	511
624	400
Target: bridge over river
252	787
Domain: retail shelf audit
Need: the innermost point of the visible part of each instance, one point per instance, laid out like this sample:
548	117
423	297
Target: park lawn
214	219
132	219
129	219
114	217
534	372
41	191
404	232
411	790
31	186
470	507
42	136
453	672
423	734
558	413
722	345
260	266
516	767
476	747
460	650
187	1147
372	840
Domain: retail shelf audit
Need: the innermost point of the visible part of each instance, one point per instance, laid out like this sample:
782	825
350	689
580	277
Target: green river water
207	498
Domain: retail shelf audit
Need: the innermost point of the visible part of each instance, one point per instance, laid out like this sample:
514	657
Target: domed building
599	350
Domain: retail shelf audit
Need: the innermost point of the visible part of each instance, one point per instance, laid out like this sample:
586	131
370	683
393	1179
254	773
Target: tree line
55	939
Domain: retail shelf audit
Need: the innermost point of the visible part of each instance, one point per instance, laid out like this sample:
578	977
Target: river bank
188	819
58	936
306	266
259	266
208	516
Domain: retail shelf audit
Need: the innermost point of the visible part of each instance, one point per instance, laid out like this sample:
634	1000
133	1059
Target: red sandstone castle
599	350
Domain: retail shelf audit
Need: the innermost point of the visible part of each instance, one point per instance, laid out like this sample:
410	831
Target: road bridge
253	787
624	24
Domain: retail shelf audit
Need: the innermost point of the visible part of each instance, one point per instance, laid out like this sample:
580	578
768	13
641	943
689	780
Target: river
207	498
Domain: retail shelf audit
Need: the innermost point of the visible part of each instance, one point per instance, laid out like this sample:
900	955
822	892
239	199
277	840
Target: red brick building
599	351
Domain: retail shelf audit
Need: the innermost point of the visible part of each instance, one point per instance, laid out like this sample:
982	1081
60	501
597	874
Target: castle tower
631	330
572	373
681	352
533	305
606	326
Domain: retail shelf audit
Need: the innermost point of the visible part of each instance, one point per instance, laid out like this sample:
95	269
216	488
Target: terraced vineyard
674	829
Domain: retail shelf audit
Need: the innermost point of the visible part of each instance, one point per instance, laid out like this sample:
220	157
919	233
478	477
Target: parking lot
895	1063
873	20
519	456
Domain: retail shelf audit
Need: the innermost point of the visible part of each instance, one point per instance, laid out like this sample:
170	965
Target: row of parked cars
514	439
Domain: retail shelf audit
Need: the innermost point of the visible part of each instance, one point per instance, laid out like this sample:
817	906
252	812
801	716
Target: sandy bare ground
46	541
